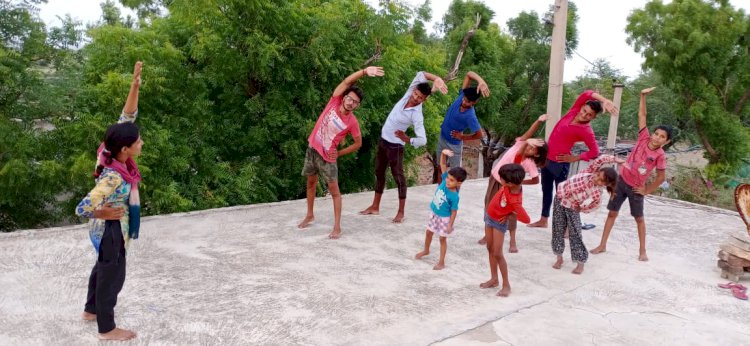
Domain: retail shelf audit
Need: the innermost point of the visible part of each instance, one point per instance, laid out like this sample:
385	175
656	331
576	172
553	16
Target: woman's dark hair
356	90
595	105
118	136
610	178
541	155
512	173
425	89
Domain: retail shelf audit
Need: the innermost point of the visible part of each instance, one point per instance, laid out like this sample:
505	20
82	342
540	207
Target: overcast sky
601	25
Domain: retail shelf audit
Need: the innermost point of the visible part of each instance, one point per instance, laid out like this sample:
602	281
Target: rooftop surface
247	276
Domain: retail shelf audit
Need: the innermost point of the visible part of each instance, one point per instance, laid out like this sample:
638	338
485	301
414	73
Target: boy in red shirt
645	157
506	203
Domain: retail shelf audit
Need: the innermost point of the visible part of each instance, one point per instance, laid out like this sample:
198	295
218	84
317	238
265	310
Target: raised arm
642	108
131	104
437	82
535	126
481	85
371	71
443	164
608	105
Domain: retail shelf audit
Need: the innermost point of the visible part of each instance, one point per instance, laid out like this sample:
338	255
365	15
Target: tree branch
378	54
741	103
454	70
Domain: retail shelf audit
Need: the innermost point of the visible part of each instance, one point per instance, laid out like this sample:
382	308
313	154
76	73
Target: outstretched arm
371	71
535	126
481	85
650	188
443	164
642	108
437	82
608	105
130	110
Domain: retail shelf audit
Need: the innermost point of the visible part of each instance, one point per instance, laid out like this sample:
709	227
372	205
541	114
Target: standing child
506	204
531	154
113	209
647	156
444	208
580	193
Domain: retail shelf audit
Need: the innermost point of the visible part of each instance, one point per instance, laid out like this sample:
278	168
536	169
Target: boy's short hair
356	90
472	94
459	173
595	105
512	173
667	129
424	88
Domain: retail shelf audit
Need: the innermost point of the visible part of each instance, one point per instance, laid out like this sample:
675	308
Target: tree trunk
713	155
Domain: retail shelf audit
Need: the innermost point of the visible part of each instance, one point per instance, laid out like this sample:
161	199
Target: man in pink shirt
645	157
572	128
334	123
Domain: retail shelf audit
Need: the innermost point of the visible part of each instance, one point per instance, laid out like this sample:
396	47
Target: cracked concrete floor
247	276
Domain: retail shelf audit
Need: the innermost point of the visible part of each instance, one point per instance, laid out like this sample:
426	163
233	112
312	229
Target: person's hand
447	152
374	71
641	190
535	142
542	118
483	89
647	90
137	73
402	136
332	154
107	212
619	160
439	84
449	229
566	158
457	135
610	107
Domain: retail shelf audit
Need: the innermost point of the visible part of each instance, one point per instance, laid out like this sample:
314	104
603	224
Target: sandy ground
248	276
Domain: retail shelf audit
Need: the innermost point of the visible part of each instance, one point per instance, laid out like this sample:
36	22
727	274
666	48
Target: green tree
699	50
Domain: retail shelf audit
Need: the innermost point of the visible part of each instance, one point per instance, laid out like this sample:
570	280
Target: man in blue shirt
461	116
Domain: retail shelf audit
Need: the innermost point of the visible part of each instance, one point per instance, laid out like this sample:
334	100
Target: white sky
601	25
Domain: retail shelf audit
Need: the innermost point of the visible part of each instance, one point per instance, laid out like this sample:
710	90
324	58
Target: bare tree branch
378	54
469	34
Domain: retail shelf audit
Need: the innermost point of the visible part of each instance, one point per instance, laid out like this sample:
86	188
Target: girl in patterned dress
582	193
113	207
444	209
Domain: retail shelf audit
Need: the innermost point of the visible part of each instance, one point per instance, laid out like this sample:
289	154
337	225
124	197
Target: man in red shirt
645	157
572	128
334	123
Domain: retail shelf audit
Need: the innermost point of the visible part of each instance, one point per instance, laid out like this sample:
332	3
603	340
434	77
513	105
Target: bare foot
504	292
558	263
370	211
117	334
399	218
579	269
513	248
335	234
539	224
642	256
482	241
439	266
599	249
422	254
306	221
87	316
489	284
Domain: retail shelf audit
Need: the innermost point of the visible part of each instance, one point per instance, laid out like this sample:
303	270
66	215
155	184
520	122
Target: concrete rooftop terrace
247	276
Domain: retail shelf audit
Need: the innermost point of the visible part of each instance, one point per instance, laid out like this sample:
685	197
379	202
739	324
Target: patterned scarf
130	173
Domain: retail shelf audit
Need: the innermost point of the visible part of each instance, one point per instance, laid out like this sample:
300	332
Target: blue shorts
500	226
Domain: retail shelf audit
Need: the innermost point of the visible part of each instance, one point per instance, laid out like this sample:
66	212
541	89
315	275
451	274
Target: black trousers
390	155
107	277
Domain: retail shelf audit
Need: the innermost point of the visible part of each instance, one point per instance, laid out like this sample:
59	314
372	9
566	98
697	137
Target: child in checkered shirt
444	208
582	193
